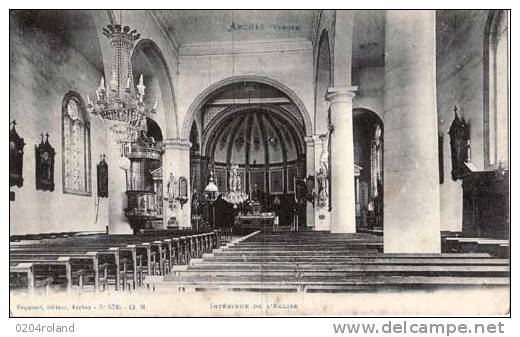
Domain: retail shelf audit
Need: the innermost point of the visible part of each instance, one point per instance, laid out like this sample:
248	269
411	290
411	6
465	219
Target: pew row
100	260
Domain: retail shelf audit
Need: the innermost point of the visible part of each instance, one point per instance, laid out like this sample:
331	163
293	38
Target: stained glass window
76	146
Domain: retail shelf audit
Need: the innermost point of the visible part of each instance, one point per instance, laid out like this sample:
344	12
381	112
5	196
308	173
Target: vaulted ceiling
250	123
188	27
254	137
204	27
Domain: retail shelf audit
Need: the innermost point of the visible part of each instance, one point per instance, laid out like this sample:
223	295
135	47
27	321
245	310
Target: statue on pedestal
172	189
323	172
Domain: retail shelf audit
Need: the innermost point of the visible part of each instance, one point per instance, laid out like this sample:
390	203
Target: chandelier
235	195
122	109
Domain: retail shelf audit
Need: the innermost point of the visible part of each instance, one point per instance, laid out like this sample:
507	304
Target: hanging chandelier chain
122	109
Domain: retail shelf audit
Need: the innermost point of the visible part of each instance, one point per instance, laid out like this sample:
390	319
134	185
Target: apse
258	128
263	144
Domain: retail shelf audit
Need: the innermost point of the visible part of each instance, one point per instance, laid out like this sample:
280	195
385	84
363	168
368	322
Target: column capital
318	138
345	94
309	140
176	143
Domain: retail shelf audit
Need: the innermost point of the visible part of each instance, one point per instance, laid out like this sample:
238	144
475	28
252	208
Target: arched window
75	146
496	120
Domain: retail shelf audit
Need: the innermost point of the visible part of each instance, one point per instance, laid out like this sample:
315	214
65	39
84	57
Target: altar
257	221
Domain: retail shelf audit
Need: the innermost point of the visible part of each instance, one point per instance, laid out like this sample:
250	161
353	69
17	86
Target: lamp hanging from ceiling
122	108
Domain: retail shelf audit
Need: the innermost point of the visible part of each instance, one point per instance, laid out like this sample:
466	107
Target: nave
325	262
180	153
180	261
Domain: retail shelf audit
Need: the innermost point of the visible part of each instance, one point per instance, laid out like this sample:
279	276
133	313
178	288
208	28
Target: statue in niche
183	191
460	145
102	178
172	189
45	165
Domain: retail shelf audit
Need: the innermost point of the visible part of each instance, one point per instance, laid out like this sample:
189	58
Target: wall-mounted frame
44	153
221	179
257	182
276	181
292	174
102	178
183	191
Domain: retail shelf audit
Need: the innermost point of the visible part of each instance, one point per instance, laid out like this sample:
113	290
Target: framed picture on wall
257	181
292	173
276	181
221	179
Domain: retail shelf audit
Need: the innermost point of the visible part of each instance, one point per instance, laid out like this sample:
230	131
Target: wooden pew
52	235
79	268
161	250
43	273
149	252
108	259
128	263
328	262
496	247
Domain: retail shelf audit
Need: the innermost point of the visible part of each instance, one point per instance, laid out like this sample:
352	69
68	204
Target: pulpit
144	209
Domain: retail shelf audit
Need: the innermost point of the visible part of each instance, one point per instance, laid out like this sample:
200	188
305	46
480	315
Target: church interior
258	150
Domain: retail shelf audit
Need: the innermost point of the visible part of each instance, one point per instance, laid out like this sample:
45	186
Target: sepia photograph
259	163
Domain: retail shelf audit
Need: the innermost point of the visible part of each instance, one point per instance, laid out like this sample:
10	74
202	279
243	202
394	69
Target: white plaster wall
460	37
369	96
291	68
39	79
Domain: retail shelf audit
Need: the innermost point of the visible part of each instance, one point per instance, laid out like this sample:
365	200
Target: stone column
176	160
343	213
411	168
